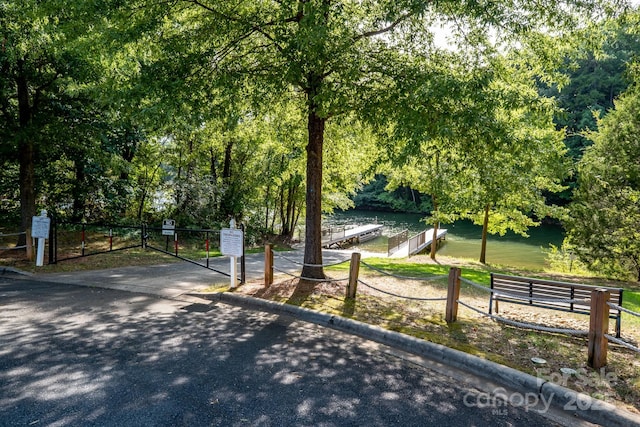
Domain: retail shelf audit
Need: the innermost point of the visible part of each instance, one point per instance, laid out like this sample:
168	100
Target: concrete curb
5	270
579	405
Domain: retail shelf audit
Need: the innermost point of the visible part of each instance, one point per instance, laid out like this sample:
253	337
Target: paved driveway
177	278
74	356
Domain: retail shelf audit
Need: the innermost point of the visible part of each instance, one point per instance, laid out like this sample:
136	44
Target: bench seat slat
541	293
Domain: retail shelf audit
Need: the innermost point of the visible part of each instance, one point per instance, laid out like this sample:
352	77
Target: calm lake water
463	238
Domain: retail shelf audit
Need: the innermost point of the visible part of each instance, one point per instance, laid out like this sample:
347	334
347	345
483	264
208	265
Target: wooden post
29	243
453	294
354	271
268	266
598	327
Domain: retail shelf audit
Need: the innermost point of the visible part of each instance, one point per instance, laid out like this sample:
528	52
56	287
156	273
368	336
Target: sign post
231	244
40	230
168	229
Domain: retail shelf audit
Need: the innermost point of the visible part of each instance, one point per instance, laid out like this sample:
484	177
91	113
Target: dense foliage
603	225
274	113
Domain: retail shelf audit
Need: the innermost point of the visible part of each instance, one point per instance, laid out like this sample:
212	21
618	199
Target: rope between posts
312	265
527	325
310	278
402	296
626	310
622	343
475	285
403	277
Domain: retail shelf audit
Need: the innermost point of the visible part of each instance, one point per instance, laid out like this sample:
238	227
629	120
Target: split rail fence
598	301
5	245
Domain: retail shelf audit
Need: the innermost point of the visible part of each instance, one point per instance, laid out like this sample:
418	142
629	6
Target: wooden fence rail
28	246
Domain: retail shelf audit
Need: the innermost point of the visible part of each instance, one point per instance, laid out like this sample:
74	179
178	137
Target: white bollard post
40	253
234	272
233	260
40	230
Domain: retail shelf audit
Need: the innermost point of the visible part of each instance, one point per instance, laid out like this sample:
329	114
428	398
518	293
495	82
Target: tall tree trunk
434	200
485	227
79	199
26	150
267	195
143	196
290	204
178	193
226	169
434	238
226	210
213	160
27	182
283	222
298	211
313	222
186	192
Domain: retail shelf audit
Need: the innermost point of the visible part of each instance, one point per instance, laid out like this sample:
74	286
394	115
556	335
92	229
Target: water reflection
463	238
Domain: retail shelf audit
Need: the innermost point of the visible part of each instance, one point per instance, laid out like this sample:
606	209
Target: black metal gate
154	239
187	244
82	239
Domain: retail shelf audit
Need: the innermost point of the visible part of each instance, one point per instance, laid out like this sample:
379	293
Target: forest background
275	113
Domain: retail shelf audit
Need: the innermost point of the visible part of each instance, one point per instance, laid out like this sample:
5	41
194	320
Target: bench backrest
542	289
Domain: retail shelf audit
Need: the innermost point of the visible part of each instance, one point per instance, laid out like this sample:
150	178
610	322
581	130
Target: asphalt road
76	356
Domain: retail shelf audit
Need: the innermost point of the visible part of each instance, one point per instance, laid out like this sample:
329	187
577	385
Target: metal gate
187	244
154	239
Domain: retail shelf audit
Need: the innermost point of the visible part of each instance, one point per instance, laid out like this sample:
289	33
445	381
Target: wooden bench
550	294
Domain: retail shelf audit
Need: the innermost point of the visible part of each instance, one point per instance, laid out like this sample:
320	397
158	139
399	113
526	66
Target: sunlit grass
401	267
631	301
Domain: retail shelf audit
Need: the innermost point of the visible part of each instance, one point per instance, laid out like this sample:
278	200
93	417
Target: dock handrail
396	242
416	241
415	244
332	233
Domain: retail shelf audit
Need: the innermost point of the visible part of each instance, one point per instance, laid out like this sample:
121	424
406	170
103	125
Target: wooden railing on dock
343	236
397	241
413	245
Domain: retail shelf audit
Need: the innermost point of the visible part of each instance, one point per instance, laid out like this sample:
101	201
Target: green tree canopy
497	150
336	56
54	132
603	226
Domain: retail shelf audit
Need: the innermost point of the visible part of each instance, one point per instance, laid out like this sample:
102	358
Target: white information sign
40	227
231	242
168	227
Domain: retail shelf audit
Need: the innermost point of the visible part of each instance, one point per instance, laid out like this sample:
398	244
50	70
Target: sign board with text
168	227
40	227
231	242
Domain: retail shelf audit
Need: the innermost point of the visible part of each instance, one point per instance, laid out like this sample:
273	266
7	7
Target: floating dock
342	236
